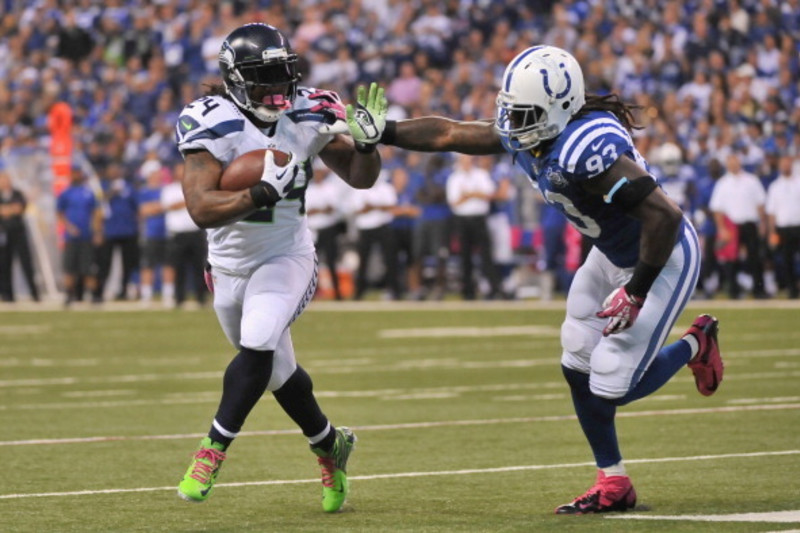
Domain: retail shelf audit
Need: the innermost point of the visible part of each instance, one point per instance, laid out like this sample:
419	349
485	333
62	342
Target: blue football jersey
587	147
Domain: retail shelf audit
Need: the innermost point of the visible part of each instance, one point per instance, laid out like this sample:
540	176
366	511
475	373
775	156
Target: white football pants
255	311
615	364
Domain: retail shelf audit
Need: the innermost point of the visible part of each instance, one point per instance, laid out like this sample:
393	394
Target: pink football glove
622	308
329	103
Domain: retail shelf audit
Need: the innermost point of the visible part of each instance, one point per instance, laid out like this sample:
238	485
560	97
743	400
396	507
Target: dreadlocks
215	89
613	104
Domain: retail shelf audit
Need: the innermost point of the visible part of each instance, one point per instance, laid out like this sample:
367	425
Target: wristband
365	148
644	276
389	134
262	195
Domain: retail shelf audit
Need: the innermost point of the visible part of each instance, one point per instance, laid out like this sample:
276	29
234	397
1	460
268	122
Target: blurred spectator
13	240
372	217
710	273
739	196
432	30
405	214
552	223
783	199
675	177
432	233
154	234
186	245
499	222
120	231
326	221
74	42
80	214
406	87
470	190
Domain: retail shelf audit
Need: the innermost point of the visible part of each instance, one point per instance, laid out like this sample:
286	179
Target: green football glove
368	119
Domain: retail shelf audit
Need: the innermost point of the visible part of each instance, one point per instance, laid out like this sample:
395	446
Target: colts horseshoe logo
547	88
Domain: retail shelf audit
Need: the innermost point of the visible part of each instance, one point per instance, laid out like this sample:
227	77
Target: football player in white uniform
263	268
577	150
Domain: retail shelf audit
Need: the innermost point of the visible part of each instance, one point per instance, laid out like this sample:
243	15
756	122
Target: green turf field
463	419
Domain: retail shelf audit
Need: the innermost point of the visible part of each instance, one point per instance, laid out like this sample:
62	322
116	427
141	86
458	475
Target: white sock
168	291
147	293
693	344
321	435
615	470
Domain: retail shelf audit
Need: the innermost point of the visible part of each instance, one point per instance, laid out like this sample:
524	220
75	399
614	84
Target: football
245	171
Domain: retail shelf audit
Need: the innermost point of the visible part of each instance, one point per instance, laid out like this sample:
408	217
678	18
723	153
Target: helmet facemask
265	87
525	125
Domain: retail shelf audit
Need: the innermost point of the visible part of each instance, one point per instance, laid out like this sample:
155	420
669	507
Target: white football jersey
215	124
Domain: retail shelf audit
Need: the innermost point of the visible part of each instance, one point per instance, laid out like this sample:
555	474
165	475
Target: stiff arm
440	134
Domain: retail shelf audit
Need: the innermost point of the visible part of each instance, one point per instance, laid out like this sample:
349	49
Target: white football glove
279	179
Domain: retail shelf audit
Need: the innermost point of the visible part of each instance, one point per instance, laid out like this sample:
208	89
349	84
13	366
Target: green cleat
334	470
202	473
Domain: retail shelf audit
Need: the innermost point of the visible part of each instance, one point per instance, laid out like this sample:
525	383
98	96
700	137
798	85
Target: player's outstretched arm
441	134
367	123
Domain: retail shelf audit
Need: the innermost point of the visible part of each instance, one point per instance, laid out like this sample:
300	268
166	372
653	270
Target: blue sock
666	364
596	416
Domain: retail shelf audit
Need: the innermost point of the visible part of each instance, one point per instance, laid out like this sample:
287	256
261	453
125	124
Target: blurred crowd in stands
717	82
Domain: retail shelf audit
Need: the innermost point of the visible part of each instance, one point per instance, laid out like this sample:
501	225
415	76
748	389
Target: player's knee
260	330
605	366
577	380
604	391
606	362
577	338
297	384
578	341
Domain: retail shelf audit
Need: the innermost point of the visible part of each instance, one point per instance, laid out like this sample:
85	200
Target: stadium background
712	77
464	421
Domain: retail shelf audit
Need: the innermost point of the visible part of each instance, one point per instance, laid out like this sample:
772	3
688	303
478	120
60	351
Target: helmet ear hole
566	105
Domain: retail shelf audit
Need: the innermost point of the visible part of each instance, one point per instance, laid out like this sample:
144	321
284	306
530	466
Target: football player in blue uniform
263	268
576	148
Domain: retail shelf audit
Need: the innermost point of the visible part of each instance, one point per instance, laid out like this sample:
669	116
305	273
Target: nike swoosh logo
597	146
187	125
204	492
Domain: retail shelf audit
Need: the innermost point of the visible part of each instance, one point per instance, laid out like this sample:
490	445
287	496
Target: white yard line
27	329
417	425
788	517
397	475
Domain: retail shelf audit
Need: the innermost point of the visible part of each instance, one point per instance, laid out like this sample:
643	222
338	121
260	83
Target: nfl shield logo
555	177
